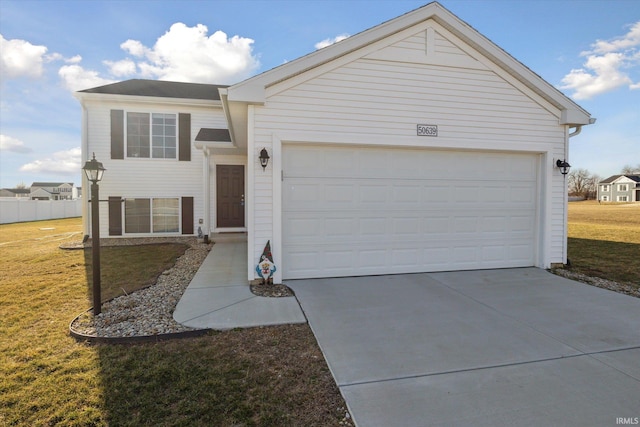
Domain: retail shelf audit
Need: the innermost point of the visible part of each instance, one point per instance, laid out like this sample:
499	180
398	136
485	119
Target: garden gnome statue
266	267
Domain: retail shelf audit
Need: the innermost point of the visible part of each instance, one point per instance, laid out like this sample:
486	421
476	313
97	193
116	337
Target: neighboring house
53	191
15	192
415	146
619	188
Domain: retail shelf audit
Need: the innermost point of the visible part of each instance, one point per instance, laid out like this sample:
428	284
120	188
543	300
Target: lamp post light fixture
94	171
563	165
264	158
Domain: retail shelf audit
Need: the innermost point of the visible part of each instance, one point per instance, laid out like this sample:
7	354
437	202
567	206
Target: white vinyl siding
380	102
159	179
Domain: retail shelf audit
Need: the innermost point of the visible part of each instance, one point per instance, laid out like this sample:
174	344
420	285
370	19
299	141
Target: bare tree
582	183
630	170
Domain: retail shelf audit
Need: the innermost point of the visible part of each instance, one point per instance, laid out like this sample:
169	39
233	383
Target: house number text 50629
427	130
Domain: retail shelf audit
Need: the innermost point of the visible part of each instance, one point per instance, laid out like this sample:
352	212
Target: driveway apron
479	348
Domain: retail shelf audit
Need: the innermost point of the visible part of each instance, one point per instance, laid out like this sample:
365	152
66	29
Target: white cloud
208	59
74	60
61	163
329	41
19	58
14	145
183	53
122	68
77	78
607	66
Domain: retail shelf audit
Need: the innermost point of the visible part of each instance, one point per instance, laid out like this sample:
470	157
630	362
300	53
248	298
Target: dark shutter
115	216
187	215
117	134
184	137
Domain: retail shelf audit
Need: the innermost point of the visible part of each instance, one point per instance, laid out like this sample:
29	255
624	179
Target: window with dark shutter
115	216
184	137
187	215
117	134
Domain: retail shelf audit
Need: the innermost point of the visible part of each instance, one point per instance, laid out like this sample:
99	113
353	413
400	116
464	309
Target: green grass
252	377
604	240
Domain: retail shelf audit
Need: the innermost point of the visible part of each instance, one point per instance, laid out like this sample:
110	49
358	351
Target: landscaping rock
148	311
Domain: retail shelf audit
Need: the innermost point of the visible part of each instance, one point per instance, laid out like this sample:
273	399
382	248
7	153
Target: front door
230	195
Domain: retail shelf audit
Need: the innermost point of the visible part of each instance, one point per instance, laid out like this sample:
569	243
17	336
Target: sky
588	49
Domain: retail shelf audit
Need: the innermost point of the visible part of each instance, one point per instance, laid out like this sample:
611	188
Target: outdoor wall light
94	171
264	158
563	165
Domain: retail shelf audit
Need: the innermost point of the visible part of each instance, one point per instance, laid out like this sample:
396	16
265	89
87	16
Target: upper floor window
605	188
623	187
151	135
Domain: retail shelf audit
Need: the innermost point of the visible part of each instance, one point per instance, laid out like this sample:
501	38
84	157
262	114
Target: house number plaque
427	130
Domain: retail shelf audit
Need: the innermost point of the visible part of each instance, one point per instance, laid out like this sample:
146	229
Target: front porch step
228	237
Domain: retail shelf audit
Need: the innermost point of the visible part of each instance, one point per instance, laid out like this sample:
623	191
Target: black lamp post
94	171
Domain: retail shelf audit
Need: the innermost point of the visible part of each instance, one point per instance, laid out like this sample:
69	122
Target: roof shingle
161	89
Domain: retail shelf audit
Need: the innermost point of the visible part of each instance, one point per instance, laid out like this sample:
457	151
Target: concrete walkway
514	347
219	296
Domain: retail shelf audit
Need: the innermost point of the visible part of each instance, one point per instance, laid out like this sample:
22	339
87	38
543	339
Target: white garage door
351	211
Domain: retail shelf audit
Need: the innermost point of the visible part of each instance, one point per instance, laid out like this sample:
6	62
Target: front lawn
604	240
252	377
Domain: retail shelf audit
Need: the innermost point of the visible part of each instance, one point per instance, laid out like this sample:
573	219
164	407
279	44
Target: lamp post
94	171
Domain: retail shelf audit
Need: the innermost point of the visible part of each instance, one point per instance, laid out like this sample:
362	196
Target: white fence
17	210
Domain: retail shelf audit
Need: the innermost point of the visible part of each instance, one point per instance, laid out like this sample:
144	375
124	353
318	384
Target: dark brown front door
230	195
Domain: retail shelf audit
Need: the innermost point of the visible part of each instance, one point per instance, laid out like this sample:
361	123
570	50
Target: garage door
351	211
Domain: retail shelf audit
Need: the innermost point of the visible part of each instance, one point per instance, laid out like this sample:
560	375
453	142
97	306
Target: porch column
206	230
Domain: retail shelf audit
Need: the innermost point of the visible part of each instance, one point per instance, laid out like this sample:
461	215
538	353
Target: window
605	198
151	135
143	215
137	135
137	216
605	188
623	187
164	136
166	216
623	199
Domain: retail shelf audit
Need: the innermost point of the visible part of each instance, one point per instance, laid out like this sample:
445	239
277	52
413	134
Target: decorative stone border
79	336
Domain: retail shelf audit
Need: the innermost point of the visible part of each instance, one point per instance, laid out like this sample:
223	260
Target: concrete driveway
513	347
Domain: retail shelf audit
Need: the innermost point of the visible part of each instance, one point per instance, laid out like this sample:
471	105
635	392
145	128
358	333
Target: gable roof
17	190
160	89
614	178
50	184
253	89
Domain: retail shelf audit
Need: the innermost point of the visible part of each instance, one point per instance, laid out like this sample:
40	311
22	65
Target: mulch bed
272	291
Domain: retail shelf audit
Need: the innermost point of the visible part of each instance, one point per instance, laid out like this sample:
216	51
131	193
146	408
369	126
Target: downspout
578	129
576	132
84	158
